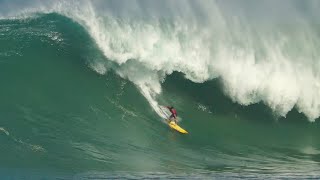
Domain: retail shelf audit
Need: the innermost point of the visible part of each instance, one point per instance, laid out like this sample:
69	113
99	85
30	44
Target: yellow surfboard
176	127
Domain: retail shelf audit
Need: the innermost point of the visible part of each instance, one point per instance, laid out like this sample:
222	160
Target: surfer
172	120
174	114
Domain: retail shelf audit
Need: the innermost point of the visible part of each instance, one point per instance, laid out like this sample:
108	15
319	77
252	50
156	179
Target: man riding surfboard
172	120
174	115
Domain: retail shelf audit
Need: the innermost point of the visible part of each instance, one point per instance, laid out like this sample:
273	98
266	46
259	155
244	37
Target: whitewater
271	60
82	81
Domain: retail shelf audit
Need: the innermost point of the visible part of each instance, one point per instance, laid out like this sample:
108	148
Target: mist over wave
261	53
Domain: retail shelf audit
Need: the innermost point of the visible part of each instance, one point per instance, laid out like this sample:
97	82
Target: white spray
276	64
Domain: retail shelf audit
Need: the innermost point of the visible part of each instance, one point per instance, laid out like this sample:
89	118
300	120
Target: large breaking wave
260	55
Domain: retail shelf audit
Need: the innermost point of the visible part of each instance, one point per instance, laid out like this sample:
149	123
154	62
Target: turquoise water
67	110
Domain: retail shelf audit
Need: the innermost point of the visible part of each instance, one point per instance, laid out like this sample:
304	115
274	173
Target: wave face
81	82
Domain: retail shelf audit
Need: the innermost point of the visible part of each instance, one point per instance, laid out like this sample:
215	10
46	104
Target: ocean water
82	81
